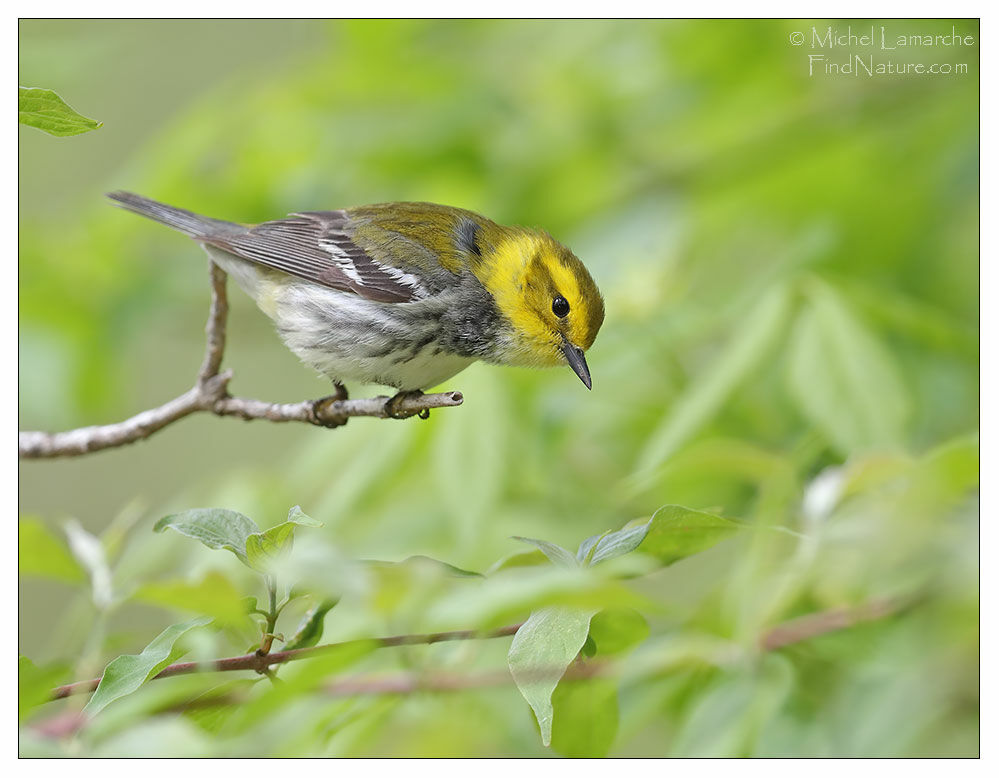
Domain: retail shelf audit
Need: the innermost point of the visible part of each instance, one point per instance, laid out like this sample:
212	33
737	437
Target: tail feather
189	223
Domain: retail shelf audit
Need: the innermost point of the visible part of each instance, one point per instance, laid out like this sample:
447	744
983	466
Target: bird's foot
392	406
321	408
341	391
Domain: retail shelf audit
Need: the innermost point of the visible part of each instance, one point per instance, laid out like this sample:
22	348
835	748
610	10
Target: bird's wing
317	246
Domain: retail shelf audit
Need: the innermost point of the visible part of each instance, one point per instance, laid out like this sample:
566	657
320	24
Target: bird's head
550	304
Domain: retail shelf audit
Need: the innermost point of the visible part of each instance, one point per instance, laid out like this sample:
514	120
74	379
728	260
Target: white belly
350	339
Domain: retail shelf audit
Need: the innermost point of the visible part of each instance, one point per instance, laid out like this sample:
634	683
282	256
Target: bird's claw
392	406
321	406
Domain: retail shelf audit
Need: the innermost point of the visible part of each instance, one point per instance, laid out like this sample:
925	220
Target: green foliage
541	651
35	684
791	271
128	672
757	333
843	379
586	718
310	629
616	630
213	595
40	553
675	532
552	637
215	527
262	548
44	109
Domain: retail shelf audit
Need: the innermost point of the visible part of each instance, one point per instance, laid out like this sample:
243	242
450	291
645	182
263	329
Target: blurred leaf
128	672
90	553
213	708
617	629
510	594
213	595
675	532
914	318
310	628
262	548
726	717
585	718
41	553
449	568
555	553
468	456
615	544
35	684
215	527
542	649
585	550
754	336
952	469
843	379
298	679
44	109
519	559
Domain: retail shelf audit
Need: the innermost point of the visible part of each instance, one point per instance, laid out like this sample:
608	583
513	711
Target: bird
403	294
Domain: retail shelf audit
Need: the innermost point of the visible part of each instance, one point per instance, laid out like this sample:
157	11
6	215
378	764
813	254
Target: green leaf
44	109
262	548
214	707
675	532
586	717
35	684
128	672
540	652
213	595
614	544
585	550
617	629
310	629
41	553
215	527
843	379
704	397
950	470
297	516
450	569
520	559
557	554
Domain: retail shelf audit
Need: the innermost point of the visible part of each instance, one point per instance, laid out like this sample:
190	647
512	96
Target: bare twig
815	624
210	394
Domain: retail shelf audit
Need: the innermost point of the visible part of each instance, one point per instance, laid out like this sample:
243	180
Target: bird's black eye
560	307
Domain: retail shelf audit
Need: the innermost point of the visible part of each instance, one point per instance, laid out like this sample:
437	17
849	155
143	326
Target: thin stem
258	662
267	639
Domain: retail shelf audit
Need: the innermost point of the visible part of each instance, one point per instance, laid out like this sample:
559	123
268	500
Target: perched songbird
404	294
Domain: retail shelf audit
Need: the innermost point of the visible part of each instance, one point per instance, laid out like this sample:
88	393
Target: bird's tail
189	223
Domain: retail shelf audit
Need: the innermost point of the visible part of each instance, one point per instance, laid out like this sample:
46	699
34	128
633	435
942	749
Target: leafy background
790	265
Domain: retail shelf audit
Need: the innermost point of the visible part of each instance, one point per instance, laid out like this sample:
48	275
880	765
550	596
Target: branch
793	631
210	394
815	624
790	632
262	662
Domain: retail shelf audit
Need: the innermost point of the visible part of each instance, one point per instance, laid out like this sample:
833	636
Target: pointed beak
574	356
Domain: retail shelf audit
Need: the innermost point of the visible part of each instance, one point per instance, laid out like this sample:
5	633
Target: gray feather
188	222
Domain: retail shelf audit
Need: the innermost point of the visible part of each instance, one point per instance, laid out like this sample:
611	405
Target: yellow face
548	297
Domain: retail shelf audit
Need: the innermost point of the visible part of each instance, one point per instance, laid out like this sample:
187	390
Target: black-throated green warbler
404	294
